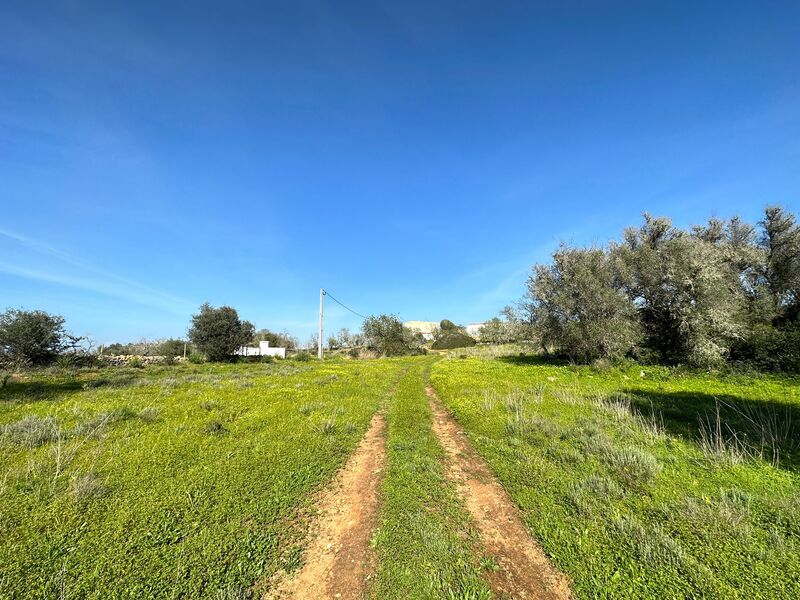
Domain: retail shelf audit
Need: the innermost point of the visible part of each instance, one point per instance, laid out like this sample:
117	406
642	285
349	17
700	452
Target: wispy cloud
92	278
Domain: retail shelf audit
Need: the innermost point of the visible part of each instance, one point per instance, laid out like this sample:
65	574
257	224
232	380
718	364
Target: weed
85	487
327	427
149	414
654	546
215	428
32	431
634	466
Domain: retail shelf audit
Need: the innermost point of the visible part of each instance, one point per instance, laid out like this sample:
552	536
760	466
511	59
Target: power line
327	293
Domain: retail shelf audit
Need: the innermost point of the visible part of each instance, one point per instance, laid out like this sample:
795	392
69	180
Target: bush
196	359
218	332
31	337
302	356
171	348
452	338
769	348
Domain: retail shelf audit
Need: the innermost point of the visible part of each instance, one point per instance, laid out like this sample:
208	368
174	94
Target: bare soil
524	569
337	562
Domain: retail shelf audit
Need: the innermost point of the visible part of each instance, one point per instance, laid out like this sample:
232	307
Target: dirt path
525	571
336	562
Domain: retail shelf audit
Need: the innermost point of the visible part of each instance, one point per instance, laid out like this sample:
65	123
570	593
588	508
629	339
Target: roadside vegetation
642	481
174	481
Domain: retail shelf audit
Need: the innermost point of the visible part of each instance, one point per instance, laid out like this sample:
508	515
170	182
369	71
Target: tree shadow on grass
38	390
523	360
766	427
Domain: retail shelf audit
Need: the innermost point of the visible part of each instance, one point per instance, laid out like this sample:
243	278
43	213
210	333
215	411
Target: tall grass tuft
32	431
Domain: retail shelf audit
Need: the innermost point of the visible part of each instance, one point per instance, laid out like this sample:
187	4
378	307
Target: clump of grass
307	408
719	441
123	413
594	490
215	428
149	414
489	400
209	405
531	425
85	487
326	379
634	466
653	546
32	431
734	506
327	427
618	405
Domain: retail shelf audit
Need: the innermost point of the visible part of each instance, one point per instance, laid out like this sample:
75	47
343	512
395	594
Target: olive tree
578	306
31	337
688	307
386	335
218	332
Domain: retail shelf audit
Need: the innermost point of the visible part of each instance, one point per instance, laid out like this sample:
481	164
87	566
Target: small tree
30	337
386	335
172	348
218	332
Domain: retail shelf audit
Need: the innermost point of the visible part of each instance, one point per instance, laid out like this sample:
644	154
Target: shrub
267	359
633	465
196	359
32	431
452	338
135	363
302	356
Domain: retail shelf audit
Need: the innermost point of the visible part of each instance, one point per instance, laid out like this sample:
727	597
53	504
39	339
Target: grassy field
643	482
173	482
199	480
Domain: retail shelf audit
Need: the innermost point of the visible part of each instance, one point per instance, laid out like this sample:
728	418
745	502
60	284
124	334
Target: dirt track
525	571
336	563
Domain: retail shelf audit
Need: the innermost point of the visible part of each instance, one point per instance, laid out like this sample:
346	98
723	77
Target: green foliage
386	335
580	308
173	347
448	325
770	348
699	297
196	358
447	339
30	337
302	356
218	332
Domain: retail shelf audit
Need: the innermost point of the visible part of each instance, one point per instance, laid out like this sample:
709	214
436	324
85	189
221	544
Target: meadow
171	482
200	481
642	481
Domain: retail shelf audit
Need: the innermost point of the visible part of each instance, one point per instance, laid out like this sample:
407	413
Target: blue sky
414	158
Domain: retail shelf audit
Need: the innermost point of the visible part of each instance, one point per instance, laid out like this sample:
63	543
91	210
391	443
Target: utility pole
319	339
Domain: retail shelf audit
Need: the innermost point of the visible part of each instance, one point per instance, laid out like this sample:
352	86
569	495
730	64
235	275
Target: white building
262	349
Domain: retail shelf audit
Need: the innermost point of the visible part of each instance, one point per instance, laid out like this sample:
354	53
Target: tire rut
338	560
524	569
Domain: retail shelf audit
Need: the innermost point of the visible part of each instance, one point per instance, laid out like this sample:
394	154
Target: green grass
424	543
174	482
627	492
